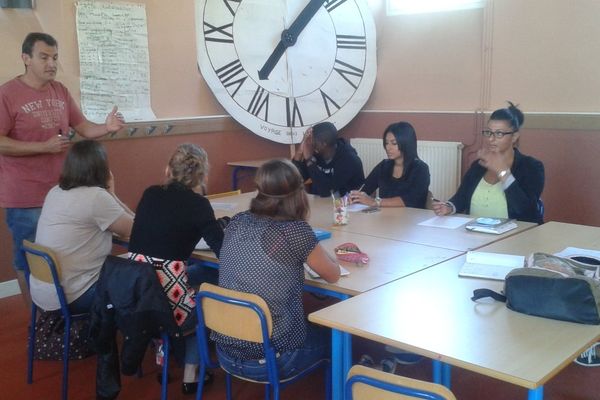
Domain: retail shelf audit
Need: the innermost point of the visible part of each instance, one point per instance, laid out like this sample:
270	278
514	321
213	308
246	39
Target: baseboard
9	288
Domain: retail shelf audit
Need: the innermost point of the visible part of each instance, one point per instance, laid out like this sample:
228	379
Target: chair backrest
235	314
224	194
42	261
367	383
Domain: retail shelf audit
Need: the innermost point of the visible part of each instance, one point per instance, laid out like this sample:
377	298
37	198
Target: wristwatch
377	201
503	173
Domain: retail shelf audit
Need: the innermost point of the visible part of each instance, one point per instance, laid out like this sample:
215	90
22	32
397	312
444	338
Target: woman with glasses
502	182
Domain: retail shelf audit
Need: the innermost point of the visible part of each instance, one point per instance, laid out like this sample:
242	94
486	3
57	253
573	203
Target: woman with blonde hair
170	220
263	253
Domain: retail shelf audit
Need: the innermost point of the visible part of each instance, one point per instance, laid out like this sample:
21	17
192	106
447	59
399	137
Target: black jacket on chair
128	298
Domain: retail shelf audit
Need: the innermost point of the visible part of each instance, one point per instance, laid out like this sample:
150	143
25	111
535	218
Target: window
396	7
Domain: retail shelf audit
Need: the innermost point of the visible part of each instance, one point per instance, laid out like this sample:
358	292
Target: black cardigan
522	196
170	220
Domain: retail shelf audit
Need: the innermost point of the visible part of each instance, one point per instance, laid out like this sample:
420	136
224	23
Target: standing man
35	115
330	162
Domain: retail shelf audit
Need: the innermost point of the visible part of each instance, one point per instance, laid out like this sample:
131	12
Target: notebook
495	226
313	274
495	266
321	234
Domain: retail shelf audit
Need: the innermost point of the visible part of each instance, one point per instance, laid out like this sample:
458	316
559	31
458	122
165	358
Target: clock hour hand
289	37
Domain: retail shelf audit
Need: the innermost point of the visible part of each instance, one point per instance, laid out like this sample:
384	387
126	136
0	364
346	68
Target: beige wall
539	53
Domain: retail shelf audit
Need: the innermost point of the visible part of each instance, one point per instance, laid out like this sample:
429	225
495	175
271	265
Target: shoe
192	387
366	360
404	357
590	357
388	365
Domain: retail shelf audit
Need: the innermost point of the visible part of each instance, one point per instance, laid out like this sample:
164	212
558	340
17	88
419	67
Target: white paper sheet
202	245
313	274
570	252
223	206
356	207
447	222
113	60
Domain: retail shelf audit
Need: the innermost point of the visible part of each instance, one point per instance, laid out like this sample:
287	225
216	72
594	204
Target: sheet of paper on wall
314	275
479	264
446	222
113	60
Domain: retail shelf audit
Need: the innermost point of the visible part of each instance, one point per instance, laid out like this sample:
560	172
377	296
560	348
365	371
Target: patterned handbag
49	337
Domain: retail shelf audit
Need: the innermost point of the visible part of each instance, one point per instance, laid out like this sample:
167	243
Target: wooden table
389	260
239	166
402	224
430	313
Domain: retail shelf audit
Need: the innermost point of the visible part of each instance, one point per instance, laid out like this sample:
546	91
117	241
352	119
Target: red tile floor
573	383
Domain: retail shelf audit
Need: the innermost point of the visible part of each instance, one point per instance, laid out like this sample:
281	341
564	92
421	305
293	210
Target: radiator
444	160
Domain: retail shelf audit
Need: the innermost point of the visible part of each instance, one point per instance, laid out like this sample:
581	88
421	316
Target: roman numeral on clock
218	34
292	111
259	101
229	6
351	42
328	101
348	71
331	5
232	74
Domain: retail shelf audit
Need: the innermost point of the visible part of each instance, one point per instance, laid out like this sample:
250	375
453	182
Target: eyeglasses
497	134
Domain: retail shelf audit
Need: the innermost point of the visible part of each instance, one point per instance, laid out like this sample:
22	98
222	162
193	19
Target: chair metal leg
268	392
437	371
201	375
31	344
165	368
66	346
228	385
327	381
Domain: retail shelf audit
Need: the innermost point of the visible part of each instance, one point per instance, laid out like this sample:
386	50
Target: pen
446	203
361	187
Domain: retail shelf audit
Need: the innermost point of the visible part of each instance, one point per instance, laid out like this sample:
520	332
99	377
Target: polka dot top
265	257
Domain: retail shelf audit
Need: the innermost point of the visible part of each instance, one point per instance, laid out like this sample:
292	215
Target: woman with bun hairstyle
170	219
502	182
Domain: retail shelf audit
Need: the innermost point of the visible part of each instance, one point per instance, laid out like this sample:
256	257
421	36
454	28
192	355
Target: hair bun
518	116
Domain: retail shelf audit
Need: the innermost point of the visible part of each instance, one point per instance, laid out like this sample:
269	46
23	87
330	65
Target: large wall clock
280	66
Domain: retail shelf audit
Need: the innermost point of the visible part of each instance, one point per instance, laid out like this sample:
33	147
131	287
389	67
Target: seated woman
78	219
263	253
170	219
502	182
402	179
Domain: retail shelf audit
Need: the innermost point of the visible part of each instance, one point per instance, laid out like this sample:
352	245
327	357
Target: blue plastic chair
44	266
247	317
365	383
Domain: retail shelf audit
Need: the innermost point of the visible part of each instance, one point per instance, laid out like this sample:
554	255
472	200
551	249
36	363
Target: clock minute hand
289	37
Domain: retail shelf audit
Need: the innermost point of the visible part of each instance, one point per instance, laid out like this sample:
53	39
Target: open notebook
495	266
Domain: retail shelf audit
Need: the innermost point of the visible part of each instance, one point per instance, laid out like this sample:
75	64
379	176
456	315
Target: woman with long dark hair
402	179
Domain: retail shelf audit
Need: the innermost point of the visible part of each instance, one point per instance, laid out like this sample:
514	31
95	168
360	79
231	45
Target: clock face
280	66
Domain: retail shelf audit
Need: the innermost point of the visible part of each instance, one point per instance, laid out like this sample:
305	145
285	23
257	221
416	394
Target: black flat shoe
192	387
189	387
